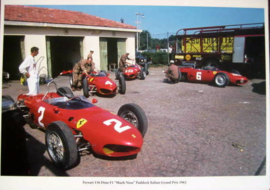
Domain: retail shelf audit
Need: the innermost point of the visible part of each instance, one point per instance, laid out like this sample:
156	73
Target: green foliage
157	57
145	39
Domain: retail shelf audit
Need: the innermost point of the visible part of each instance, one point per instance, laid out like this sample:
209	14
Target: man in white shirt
28	68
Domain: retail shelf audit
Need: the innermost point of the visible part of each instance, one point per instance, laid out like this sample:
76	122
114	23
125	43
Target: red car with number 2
73	124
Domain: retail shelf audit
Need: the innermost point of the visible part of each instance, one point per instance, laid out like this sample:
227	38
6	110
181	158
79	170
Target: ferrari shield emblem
81	122
214	72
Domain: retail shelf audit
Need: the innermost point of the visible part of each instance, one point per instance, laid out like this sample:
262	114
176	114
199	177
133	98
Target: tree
145	38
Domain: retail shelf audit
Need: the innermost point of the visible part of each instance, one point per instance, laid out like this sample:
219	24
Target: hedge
157	57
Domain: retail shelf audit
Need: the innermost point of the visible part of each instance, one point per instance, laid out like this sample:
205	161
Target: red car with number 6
210	74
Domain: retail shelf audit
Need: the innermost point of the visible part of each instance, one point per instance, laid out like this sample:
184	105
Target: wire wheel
221	80
55	147
130	117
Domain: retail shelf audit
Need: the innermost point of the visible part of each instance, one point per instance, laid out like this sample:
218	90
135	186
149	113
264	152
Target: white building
63	38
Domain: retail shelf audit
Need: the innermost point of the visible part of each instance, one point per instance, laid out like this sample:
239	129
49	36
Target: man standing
78	69
123	62
172	73
29	70
91	66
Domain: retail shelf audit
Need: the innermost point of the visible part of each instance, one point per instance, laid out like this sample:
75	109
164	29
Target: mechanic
78	70
172	73
123	63
29	72
92	64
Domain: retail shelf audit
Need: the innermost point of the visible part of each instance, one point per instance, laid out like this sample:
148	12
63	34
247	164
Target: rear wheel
65	91
122	84
85	88
135	115
61	145
221	80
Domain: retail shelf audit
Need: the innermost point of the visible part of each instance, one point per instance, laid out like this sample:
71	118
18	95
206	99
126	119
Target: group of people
28	69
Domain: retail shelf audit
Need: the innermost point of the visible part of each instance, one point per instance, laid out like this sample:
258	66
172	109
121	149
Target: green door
103	54
121	47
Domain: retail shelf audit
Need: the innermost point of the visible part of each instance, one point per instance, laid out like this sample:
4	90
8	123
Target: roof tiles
57	16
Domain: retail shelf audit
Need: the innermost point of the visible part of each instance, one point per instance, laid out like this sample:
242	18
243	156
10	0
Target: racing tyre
135	115
142	74
221	80
122	84
146	68
65	91
61	145
117	73
71	80
85	88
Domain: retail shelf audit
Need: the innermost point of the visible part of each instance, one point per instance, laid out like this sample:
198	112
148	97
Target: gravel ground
194	130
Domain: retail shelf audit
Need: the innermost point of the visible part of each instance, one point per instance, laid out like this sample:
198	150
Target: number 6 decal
199	75
42	110
117	125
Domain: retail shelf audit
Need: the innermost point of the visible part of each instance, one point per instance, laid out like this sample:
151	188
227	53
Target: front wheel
146	68
61	145
135	115
142	74
221	80
117	73
122	84
85	88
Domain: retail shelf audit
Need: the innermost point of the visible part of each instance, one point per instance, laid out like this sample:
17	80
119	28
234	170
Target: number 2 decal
42	110
117	125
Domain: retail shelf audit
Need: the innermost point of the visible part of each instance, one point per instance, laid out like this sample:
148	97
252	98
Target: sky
161	21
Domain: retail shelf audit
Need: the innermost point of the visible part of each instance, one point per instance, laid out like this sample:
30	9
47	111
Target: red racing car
132	72
72	124
209	74
100	83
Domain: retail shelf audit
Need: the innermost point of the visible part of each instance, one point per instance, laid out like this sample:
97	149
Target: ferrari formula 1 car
132	72
100	83
73	124
209	74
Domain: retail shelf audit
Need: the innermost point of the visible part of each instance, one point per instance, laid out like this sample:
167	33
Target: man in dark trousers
123	61
172	73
